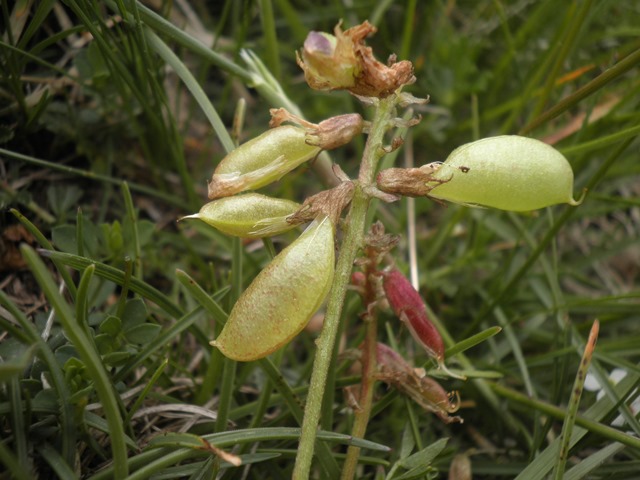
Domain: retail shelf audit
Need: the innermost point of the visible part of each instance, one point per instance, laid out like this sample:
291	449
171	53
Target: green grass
107	304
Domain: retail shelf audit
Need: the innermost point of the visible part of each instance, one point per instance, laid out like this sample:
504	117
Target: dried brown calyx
330	203
329	134
409	182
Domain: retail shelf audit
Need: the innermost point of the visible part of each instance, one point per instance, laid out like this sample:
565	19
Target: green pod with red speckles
282	298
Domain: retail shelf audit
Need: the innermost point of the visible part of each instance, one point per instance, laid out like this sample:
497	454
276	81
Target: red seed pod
409	307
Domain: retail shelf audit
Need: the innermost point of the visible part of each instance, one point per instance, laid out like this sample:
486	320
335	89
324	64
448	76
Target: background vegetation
112	117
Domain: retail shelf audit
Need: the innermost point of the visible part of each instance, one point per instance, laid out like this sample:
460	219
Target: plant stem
369	365
352	241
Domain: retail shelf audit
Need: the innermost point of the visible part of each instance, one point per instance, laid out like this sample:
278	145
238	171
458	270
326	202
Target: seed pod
282	298
409	307
261	161
411	310
250	215
507	172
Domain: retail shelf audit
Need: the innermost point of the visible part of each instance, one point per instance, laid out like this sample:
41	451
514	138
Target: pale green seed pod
507	172
250	215
261	161
282	298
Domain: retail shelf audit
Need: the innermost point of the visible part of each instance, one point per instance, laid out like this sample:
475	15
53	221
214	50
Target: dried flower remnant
411	310
250	215
424	390
508	172
328	203
329	62
329	134
282	298
409	182
343	62
261	161
460	468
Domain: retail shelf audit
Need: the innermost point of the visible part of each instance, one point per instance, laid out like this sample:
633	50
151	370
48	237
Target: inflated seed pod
261	161
282	298
507	172
250	215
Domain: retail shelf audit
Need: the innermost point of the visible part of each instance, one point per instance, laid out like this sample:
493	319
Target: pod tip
195	215
575	203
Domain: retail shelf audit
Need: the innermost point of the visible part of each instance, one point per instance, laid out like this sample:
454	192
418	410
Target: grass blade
576	393
89	356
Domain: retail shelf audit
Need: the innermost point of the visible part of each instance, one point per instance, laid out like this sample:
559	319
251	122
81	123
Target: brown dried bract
329	202
329	134
375	78
410	182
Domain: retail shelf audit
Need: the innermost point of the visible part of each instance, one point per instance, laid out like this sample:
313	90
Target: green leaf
105	343
113	235
17	365
424	456
64	238
146	231
112	325
134	314
142	334
63	199
116	358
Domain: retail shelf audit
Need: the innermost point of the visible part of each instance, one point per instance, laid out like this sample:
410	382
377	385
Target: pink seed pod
410	309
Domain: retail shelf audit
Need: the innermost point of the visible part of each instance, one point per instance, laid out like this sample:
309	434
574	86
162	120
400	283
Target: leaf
104	343
111	326
424	456
64	238
142	334
16	366
134	314
63	198
116	358
146	231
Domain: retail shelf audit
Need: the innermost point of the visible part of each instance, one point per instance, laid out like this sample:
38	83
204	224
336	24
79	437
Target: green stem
353	236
